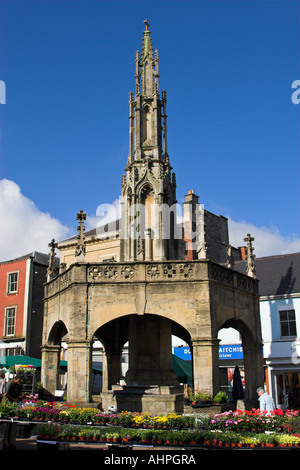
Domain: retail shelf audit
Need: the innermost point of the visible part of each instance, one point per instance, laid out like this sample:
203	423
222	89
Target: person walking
2	385
266	402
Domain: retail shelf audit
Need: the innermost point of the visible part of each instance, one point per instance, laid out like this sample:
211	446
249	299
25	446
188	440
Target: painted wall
18	299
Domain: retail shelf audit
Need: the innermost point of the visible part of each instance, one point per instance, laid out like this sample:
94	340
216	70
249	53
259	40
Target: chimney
243	252
189	223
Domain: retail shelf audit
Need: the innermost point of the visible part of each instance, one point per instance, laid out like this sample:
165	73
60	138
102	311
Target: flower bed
61	421
156	437
119	435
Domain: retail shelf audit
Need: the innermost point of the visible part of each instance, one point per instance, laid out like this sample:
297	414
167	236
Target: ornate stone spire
146	110
149	182
146	63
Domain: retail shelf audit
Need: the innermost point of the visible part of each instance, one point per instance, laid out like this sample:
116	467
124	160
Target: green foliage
45	430
220	397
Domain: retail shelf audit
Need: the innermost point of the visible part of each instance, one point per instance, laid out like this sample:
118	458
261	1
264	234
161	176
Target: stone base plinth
159	400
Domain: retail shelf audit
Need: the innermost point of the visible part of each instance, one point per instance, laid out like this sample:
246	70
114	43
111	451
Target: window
12	285
288	323
10	321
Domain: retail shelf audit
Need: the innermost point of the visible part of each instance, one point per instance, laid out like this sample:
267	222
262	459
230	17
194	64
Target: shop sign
231	351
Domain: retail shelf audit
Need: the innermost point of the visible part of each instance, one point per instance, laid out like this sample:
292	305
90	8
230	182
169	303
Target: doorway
287	390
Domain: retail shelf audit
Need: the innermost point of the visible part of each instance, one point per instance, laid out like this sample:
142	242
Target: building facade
280	320
21	304
279	303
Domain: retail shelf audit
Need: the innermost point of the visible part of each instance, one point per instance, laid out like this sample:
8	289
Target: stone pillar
79	372
148	250
159	241
189	209
50	368
113	368
104	372
254	373
150	351
132	241
131	127
206	365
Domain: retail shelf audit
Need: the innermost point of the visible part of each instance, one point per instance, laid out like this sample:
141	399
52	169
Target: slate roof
277	275
36	256
104	230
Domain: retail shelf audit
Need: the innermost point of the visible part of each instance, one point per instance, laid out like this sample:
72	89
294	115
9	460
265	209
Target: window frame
287	323
12	326
9	291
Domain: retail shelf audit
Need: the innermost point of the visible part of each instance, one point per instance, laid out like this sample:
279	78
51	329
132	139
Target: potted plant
220	397
46	431
146	436
82	435
109	436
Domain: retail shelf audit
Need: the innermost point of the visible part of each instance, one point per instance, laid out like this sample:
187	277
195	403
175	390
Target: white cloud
268	241
24	228
105	213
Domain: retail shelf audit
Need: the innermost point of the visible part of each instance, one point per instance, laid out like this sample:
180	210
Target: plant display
220	397
62	421
197	396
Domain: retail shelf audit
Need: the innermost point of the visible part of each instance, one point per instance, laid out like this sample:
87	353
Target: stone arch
147	124
252	352
111	365
147	199
57	332
181	332
149	340
51	352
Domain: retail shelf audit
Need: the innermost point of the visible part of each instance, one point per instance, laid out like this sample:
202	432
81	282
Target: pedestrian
266	402
2	385
14	389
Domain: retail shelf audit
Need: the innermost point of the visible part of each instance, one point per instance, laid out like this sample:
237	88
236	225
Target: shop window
287	323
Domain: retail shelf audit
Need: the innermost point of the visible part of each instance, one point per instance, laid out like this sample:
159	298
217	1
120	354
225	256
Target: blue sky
233	131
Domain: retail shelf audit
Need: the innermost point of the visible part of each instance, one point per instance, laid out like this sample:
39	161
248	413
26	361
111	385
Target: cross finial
251	269
51	264
52	245
249	239
80	248
81	216
147	25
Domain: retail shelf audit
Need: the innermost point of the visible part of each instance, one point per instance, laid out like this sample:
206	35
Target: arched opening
54	367
137	354
57	333
237	349
147	125
109	341
147	221
110	354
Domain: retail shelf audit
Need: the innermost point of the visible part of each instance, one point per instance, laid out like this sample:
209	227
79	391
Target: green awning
9	361
183	370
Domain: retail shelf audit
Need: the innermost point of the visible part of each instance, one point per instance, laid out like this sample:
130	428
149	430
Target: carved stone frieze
110	272
222	275
153	271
